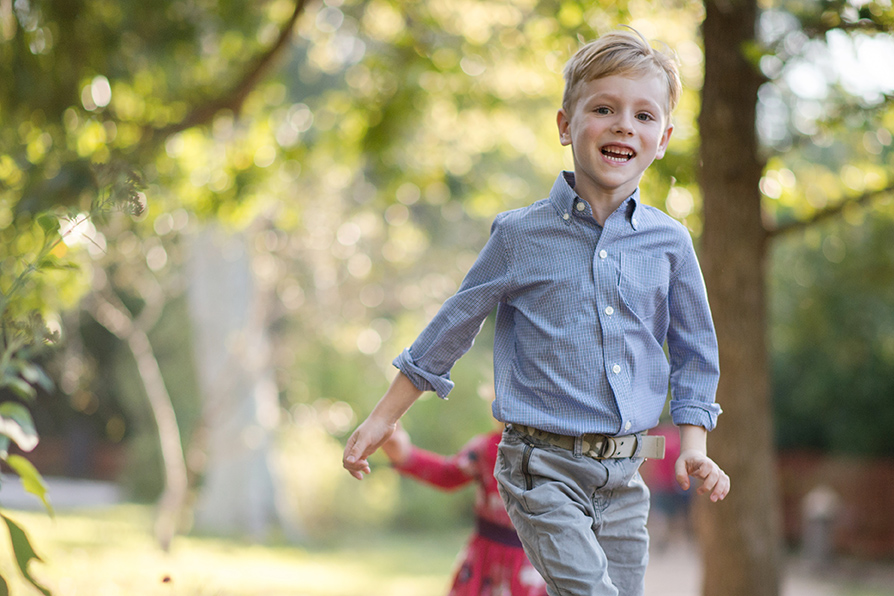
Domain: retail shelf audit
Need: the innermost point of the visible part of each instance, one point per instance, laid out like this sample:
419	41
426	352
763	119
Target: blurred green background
303	184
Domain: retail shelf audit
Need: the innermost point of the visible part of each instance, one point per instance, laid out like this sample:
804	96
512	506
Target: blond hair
620	53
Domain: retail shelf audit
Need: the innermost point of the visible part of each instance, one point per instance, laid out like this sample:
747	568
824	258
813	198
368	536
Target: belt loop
578	446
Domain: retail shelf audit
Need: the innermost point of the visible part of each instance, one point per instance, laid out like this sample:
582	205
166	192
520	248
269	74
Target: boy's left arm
695	371
692	347
694	462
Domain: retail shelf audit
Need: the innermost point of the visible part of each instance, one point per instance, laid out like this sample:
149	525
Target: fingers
682	474
721	489
714	481
354	460
364	441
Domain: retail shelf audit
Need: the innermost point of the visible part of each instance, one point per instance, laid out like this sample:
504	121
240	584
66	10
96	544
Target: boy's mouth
618	154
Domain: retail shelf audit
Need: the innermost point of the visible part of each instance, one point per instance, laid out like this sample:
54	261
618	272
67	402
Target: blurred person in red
493	562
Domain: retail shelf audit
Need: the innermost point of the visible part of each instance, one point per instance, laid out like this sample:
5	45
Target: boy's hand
368	437
379	425
698	465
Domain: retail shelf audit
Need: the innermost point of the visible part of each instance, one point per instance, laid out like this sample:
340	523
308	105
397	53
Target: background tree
356	180
741	539
67	116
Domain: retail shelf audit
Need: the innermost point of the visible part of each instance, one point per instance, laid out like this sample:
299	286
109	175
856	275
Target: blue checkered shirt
583	316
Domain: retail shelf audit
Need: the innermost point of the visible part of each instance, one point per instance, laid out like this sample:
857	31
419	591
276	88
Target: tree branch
827	213
818	29
233	99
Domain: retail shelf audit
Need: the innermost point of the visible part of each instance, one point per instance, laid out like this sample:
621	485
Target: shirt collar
563	198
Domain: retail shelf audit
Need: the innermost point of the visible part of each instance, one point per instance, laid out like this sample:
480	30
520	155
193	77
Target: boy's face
616	126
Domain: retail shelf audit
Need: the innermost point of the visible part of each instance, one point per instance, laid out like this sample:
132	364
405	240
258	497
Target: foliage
827	190
832	336
45	199
16	426
24	554
25	337
373	159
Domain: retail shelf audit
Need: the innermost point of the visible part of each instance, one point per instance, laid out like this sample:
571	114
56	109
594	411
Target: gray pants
582	521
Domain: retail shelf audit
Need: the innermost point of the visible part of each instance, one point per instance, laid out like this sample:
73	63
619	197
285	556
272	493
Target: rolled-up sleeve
692	346
452	331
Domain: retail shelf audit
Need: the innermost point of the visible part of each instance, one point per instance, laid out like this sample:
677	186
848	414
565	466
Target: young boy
589	285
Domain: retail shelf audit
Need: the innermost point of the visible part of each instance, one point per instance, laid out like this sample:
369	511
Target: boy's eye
601	110
645	117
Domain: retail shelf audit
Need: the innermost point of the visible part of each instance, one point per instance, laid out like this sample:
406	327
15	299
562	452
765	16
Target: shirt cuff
695	413
422	379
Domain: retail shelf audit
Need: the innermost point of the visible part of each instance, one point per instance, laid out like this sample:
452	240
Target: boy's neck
603	202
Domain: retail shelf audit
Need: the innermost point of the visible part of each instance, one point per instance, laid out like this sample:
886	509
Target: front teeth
616	156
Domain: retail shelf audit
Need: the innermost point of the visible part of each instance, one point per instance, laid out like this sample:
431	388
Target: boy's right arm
379	425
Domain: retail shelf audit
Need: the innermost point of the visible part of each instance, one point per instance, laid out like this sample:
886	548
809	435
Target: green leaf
16	423
32	481
21	388
54	263
48	222
24	552
35	375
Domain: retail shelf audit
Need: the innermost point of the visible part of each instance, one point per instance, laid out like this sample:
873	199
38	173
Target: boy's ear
564	123
665	139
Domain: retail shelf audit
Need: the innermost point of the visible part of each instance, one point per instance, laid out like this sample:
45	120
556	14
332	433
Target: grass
112	553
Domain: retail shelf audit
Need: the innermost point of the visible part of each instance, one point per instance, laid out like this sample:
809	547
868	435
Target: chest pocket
643	283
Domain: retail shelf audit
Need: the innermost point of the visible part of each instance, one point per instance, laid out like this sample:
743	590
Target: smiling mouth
617	154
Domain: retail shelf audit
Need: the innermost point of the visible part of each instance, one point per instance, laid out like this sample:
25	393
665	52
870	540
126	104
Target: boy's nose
623	125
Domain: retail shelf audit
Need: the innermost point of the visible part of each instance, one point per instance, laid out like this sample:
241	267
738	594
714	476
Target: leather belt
602	446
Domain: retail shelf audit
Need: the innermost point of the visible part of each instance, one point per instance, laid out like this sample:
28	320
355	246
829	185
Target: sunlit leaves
17	426
32	481
827	111
24	552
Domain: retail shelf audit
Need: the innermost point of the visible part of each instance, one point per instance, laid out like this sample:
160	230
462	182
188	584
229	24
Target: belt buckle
608	449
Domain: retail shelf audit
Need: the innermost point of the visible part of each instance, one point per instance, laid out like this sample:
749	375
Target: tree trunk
740	537
230	313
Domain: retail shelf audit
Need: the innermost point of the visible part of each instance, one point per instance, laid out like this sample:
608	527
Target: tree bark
740	537
231	309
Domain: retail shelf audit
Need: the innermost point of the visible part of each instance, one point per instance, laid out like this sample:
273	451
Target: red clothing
492	562
661	474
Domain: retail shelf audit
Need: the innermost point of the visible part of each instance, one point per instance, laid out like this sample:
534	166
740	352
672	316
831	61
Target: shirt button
627	426
580	207
565	216
602	254
616	368
609	310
